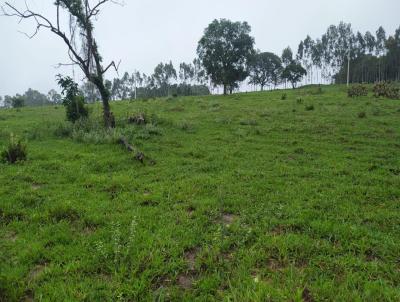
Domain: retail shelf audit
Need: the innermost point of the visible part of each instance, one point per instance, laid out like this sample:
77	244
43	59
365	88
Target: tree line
372	57
226	53
226	57
189	79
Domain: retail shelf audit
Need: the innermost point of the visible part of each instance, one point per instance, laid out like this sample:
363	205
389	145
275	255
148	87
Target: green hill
241	198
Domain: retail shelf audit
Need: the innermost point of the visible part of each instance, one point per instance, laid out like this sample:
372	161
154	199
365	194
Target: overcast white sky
143	33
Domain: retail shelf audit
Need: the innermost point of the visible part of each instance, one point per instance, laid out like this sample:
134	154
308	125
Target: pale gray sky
143	33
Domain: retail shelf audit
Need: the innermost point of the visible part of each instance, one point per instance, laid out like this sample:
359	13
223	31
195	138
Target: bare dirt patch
190	257
306	295
36	186
185	281
36	272
228	218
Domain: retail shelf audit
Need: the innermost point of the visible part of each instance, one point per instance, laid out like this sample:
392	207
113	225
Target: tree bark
225	90
108	117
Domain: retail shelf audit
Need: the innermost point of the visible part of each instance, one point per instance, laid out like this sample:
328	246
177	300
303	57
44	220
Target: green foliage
265	68
284	96
15	151
310	107
230	212
18	102
76	109
74	102
225	50
357	90
293	73
386	90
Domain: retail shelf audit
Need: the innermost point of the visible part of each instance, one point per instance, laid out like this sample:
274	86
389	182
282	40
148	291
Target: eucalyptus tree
308	47
78	37
186	72
370	42
393	55
225	50
164	74
199	73
287	56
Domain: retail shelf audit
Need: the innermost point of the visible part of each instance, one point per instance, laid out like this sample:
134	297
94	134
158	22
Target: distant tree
370	42
393	56
126	86
7	101
265	68
380	41
293	73
35	98
199	73
18	101
90	92
54	97
78	37
163	74
1	101
186	72
287	56
225	51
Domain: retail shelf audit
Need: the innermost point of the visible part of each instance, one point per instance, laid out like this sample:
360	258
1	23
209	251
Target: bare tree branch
112	64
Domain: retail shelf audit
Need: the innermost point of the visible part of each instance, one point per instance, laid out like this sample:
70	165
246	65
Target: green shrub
15	151
76	109
386	90
284	97
310	107
299	101
362	114
73	101
357	90
249	122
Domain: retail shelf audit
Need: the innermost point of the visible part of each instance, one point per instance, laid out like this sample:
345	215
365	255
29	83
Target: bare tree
82	51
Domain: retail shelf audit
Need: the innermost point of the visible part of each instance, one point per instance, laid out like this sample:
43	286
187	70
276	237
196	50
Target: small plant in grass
249	122
310	107
299	101
139	119
357	91
186	126
362	114
15	151
284	97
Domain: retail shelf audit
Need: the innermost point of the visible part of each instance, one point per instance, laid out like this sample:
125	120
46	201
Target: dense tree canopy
265	68
225	51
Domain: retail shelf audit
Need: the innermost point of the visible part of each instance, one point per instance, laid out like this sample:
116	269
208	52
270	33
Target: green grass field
241	198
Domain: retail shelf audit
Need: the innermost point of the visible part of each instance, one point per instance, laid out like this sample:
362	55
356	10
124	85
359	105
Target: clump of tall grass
15	151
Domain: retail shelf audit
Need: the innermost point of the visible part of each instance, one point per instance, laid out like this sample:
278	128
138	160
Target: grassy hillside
242	198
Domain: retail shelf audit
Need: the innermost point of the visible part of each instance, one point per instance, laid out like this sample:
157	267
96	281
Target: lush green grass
242	198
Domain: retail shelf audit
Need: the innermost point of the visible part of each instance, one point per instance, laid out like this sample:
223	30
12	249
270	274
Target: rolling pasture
249	197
